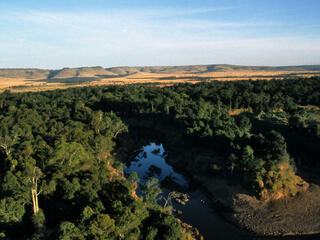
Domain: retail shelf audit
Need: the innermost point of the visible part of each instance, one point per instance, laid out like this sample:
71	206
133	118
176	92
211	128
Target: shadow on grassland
67	81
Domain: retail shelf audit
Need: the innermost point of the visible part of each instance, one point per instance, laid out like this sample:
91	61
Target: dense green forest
61	158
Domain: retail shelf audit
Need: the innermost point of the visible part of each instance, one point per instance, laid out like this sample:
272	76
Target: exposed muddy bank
297	217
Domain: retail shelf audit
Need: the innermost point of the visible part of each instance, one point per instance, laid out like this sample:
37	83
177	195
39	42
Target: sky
74	33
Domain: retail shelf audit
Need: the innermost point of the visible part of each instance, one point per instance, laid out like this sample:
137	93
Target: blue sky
73	33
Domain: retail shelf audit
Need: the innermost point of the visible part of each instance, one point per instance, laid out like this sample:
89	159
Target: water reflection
150	162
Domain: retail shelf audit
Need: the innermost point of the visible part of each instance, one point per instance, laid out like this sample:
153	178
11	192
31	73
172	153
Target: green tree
69	231
102	227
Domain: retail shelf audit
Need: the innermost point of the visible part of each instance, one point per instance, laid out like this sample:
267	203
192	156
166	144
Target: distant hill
80	72
100	72
198	69
24	73
56	74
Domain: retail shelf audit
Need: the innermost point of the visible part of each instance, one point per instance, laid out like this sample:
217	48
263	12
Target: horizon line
142	66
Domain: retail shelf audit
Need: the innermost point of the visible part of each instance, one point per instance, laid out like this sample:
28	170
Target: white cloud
127	37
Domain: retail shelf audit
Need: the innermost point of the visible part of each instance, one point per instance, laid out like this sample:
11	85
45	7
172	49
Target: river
198	212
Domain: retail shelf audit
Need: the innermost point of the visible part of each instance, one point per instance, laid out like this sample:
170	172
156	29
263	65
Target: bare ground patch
297	215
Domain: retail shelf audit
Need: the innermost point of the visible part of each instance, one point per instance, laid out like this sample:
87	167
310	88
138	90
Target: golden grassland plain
20	80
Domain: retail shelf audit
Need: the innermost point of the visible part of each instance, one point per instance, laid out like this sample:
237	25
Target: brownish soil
295	215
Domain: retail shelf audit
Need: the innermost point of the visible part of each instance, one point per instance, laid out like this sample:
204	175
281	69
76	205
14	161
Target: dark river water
198	212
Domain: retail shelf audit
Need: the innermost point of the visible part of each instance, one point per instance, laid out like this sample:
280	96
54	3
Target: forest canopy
62	179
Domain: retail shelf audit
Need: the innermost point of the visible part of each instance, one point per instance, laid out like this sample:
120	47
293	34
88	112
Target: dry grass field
18	80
